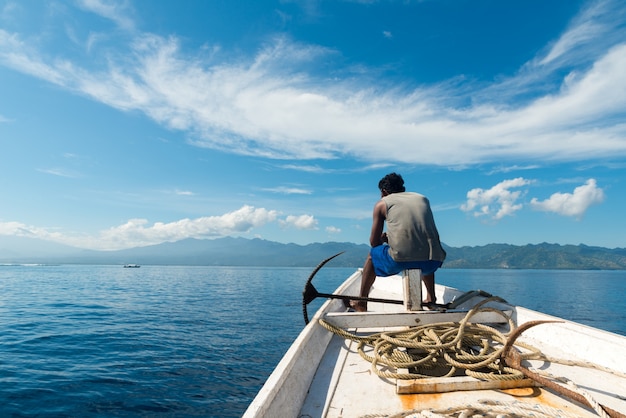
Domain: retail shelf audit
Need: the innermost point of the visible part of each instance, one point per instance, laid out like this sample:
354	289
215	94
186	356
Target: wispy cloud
325	170
559	107
515	167
597	29
23	230
114	10
183	192
60	172
288	190
594	25
305	168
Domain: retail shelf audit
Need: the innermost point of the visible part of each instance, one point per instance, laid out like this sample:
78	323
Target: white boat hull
322	375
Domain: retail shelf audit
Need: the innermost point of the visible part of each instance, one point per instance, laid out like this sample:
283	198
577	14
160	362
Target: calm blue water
200	341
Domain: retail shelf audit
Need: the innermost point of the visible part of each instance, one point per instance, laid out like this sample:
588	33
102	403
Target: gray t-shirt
411	229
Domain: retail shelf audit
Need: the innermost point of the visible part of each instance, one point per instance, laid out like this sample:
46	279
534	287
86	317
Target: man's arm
378	222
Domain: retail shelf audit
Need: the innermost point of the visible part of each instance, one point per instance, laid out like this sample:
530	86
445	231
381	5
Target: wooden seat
412	281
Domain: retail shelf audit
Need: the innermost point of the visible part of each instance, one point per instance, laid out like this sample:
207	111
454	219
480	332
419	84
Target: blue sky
128	123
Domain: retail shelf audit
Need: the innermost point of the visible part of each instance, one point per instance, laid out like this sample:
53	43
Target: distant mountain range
258	252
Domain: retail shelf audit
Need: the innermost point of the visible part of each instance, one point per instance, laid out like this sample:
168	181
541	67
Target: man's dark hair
392	183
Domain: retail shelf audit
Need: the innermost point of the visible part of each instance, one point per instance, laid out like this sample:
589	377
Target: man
411	240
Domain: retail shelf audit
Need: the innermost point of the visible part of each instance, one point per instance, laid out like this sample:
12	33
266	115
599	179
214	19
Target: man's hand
384	238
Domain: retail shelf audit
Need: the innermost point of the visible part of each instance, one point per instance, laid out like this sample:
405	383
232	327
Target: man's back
411	229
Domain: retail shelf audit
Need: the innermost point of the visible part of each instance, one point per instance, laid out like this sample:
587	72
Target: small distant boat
474	354
131	266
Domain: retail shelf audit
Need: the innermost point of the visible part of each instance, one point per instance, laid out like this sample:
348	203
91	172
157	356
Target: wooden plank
412	280
348	320
452	384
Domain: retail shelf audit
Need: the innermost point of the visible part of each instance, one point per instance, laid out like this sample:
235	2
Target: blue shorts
385	265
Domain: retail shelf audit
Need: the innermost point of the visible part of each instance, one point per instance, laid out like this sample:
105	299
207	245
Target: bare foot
359	306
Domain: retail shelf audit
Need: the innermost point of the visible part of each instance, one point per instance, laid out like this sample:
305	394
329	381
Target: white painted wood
328	374
348	320
284	392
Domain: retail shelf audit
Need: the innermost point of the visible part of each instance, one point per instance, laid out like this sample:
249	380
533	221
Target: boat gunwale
280	394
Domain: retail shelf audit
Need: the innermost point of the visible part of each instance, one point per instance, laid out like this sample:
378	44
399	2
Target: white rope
490	408
573	386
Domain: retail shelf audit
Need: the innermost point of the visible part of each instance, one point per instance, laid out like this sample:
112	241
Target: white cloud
61	172
497	202
299	222
500	201
22	230
593	23
139	232
113	10
333	230
508	169
183	192
269	105
288	190
571	204
305	168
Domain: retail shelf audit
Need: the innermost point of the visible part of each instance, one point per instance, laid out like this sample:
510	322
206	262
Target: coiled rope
473	348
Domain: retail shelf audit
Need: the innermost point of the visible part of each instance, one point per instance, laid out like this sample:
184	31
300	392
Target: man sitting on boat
411	240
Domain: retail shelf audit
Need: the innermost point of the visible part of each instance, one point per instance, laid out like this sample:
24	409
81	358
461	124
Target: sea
186	341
